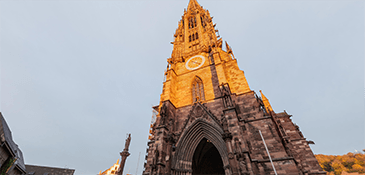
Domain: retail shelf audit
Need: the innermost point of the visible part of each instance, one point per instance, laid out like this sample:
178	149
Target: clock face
195	62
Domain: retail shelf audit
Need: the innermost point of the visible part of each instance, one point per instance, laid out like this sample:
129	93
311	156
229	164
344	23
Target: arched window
196	35
197	90
193	37
192	22
202	22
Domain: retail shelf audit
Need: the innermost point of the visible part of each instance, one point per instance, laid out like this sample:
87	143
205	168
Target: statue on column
127	142
124	154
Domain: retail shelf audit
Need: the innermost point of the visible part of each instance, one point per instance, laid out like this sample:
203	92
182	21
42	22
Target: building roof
112	170
7	139
44	170
5	134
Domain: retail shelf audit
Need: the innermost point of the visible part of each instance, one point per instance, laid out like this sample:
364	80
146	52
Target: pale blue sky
76	76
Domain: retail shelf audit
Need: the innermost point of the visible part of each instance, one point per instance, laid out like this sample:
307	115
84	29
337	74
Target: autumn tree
350	162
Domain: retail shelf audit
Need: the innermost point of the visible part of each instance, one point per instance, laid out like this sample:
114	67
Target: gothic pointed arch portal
189	143
206	159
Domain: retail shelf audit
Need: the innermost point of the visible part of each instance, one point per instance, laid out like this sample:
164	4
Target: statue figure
243	166
171	125
237	147
224	123
225	93
157	155
211	55
127	142
163	115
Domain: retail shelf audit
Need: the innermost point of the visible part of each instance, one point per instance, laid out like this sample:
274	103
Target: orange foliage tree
335	165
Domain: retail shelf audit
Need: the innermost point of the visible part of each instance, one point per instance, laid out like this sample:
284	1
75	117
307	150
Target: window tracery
197	90
193	37
202	21
192	22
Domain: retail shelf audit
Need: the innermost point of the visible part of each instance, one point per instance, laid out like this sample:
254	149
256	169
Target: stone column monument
124	155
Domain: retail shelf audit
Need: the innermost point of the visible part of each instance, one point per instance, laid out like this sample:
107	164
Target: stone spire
266	102
193	4
196	33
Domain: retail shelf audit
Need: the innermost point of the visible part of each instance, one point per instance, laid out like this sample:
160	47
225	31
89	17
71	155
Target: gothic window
193	37
192	22
189	38
196	35
197	90
202	22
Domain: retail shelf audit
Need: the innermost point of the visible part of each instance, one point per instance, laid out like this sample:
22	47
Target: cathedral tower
209	121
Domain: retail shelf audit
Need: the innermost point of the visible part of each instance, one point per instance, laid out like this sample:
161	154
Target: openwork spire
193	4
195	33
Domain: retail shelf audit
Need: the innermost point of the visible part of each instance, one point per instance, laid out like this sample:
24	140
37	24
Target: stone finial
266	102
193	4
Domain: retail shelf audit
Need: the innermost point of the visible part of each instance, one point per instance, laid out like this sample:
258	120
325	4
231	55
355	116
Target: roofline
48	167
7	145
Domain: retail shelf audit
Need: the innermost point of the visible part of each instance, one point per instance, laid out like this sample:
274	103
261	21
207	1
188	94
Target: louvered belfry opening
207	160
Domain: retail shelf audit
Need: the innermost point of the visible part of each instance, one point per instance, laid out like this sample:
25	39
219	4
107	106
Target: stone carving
157	156
229	50
230	155
237	147
242	166
127	142
198	111
226	95
227	136
163	114
224	123
211	55
171	125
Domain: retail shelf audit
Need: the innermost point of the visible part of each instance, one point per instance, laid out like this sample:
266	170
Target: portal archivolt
200	135
207	160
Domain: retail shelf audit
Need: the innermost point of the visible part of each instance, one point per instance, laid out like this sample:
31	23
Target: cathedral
209	121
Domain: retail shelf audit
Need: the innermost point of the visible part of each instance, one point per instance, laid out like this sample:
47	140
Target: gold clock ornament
195	62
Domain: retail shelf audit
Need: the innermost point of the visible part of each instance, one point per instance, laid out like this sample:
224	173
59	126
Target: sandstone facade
210	122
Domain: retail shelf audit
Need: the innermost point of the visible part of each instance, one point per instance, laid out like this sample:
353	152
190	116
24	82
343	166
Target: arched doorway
191	137
207	160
